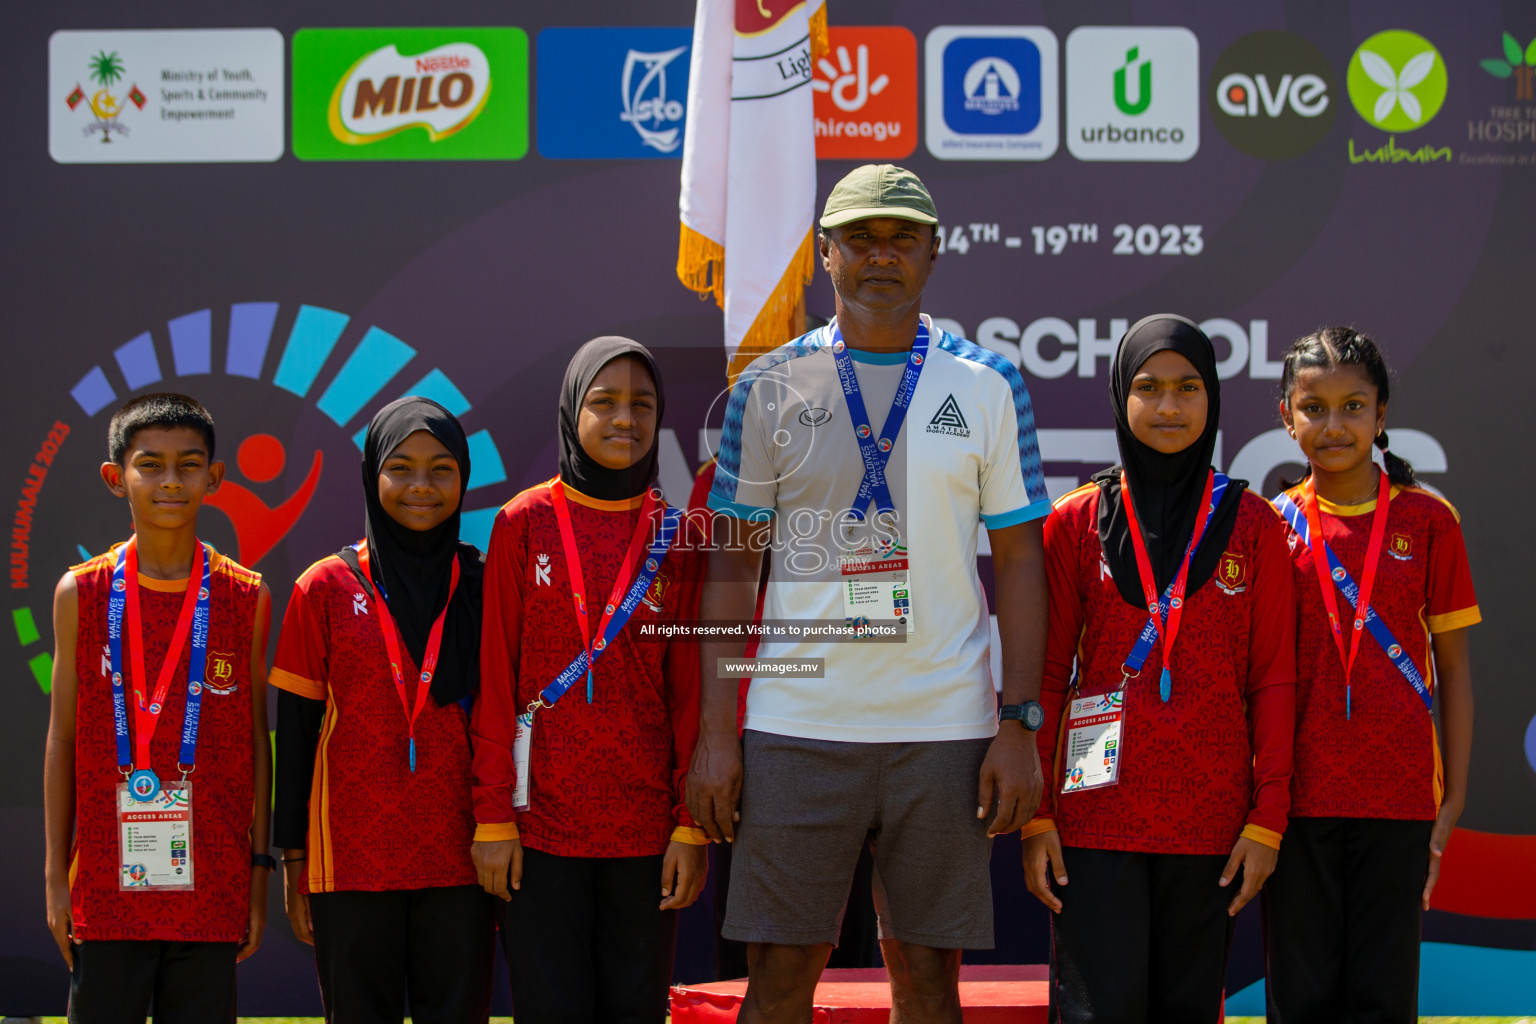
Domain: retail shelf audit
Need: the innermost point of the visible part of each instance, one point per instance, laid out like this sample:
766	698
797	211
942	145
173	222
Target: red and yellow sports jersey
1383	760
374	824
1212	763
606	777
217	909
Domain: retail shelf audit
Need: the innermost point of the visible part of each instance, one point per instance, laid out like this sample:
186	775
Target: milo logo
440	91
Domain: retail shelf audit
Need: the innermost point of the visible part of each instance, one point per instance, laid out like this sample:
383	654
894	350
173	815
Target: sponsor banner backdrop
1261	169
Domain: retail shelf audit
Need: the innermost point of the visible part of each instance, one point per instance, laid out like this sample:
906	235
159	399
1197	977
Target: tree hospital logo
865	93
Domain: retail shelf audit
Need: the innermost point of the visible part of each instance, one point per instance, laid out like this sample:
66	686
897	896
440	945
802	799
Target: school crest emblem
656	593
221	673
1401	547
1232	573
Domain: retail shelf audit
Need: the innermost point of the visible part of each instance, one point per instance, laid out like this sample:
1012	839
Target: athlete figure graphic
258	527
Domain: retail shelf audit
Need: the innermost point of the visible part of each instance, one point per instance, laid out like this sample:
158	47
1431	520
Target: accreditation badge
522	739
155	838
1093	750
877	587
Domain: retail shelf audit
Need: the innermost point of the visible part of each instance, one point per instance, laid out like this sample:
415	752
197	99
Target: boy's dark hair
1344	346
163	411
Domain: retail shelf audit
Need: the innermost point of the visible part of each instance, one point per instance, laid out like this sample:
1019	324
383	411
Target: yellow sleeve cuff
689	835
1036	827
496	832
285	680
1262	835
1455	620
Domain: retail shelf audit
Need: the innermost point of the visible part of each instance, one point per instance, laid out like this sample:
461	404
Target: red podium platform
1001	994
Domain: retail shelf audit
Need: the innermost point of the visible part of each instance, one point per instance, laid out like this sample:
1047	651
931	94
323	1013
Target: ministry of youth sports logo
647	107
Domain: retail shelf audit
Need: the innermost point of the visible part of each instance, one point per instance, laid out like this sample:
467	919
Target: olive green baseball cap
879	190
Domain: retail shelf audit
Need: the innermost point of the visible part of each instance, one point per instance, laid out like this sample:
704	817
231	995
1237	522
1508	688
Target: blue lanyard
144	784
1346	584
578	669
1148	635
877	451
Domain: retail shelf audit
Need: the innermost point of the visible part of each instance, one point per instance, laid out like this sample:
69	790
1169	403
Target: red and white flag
749	166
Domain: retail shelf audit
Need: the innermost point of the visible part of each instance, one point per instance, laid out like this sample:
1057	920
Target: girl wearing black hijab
1169	693
378	664
588	713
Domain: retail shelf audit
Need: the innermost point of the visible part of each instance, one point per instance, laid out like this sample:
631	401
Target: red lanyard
392	645
1367	577
145	718
1166	631
637	545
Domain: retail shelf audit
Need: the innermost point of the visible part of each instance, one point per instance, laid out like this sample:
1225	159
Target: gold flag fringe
701	264
820	46
782	317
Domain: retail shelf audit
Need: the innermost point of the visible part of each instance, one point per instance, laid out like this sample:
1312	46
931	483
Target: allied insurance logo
991	92
1273	95
410	94
613	93
865	93
1133	93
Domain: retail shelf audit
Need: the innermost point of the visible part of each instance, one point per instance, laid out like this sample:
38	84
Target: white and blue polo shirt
966	455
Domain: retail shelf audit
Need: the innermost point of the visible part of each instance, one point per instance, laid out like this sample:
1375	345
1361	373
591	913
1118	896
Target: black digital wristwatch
1029	714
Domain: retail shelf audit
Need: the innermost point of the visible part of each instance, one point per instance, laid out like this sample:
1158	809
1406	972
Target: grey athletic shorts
809	806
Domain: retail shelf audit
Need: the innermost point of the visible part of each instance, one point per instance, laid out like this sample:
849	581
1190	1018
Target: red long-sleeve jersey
606	777
1212	763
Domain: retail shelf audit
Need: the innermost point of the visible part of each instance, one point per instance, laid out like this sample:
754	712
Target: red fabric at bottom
989	994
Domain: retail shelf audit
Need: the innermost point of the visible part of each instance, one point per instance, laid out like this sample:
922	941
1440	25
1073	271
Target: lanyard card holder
522	739
155	838
1095	735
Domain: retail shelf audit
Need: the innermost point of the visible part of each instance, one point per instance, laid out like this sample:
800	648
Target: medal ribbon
1307	524
1167	611
194	620
621	603
876	453
392	646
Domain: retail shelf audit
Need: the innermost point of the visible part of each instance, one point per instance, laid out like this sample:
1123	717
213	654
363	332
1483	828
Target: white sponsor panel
166	96
1133	93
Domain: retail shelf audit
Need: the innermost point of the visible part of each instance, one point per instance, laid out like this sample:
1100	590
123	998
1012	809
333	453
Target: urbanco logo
865	93
991	92
1133	93
1272	95
613	93
1397	81
410	94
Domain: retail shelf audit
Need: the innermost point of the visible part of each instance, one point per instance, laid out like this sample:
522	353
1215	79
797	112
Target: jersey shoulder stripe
728	459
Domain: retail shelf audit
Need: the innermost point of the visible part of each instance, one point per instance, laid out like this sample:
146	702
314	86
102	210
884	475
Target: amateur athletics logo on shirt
949	420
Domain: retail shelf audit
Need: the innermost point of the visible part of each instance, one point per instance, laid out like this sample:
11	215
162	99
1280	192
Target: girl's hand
296	902
683	871
498	864
1439	838
1039	851
1258	863
258	922
60	916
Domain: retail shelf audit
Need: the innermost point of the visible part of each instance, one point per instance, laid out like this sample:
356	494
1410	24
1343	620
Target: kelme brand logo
1397	81
410	94
1273	95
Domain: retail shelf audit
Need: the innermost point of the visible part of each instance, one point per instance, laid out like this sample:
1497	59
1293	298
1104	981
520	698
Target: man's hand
60	915
1439	837
1011	772
296	903
683	871
258	922
714	786
497	864
1257	862
1042	851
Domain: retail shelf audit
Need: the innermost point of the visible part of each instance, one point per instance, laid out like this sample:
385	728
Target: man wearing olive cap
866	452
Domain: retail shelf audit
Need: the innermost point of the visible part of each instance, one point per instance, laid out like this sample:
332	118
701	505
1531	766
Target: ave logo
1273	95
865	93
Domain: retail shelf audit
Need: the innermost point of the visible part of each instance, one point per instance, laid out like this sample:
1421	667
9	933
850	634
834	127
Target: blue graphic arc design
191	343
367	370
375	361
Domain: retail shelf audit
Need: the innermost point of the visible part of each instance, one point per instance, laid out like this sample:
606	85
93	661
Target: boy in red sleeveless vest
158	767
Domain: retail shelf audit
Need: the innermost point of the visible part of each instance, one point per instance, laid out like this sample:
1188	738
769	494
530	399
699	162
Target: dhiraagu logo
410	94
1397	81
